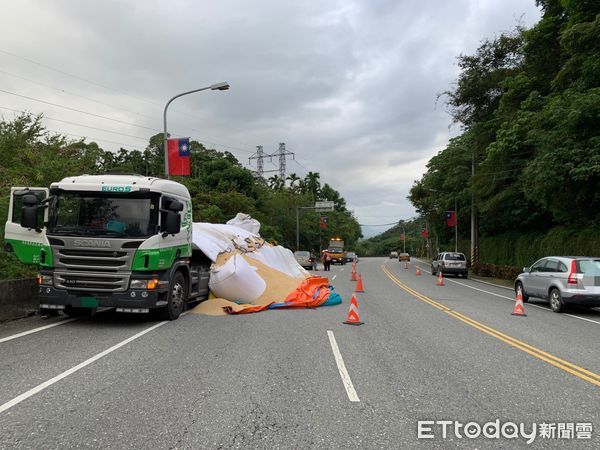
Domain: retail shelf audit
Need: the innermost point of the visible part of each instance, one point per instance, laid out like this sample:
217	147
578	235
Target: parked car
450	263
404	257
563	281
393	255
351	256
306	259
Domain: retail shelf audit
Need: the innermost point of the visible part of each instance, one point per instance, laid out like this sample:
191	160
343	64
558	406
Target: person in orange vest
326	261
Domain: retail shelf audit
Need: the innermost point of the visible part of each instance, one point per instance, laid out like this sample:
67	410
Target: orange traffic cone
353	318
418	271
359	286
405	264
353	278
440	280
519	308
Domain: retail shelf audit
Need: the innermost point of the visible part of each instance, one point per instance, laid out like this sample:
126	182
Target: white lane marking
333	277
579	317
72	370
528	304
352	396
342	269
512	299
35	330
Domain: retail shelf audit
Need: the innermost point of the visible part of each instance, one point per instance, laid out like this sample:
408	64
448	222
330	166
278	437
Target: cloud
350	86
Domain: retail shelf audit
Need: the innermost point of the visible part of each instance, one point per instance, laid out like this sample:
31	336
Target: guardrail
18	298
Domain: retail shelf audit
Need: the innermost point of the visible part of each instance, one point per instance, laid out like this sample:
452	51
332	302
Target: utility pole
282	153
403	240
260	157
455	227
474	237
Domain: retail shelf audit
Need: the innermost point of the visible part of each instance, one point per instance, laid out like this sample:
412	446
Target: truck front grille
92	269
91	282
99	260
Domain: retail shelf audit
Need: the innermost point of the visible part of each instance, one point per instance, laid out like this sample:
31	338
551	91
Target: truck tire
177	296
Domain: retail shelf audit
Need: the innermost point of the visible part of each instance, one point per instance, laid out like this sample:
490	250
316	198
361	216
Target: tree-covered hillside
528	103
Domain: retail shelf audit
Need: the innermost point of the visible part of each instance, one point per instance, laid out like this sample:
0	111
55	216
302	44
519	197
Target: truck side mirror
29	211
172	223
171	204
175	206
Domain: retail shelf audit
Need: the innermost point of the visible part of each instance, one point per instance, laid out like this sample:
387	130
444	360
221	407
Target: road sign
323	206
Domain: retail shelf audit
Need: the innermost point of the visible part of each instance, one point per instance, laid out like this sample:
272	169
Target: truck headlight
144	284
45	280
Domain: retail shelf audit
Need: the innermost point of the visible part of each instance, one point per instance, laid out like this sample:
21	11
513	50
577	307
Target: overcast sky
349	86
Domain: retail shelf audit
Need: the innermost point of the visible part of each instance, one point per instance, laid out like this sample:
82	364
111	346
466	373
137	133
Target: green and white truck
122	241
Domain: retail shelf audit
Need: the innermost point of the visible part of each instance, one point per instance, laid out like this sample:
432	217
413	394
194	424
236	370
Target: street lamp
223	86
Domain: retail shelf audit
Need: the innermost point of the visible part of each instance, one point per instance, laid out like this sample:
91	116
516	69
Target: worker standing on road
326	261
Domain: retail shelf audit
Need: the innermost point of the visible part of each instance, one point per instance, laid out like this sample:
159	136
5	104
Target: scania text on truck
122	241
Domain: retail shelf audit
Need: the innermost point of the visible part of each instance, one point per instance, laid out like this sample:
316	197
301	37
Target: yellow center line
571	368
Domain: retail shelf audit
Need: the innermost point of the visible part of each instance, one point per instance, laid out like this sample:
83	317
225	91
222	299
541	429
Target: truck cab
122	241
336	251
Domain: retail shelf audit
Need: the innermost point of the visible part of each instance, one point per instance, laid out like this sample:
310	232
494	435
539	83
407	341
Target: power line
78	110
78	124
379	225
68	108
105	104
120	144
75	95
103	87
78	77
298	162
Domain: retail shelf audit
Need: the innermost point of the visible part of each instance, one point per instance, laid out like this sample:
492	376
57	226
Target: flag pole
455	227
223	86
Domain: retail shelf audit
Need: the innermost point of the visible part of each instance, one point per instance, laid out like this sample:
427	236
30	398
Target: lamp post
223	86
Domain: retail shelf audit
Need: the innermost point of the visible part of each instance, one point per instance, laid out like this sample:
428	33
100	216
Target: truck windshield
94	214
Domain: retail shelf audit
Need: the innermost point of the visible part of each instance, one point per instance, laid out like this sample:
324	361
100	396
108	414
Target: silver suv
450	263
562	281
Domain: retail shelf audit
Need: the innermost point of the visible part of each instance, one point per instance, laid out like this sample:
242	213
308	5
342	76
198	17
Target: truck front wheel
176	298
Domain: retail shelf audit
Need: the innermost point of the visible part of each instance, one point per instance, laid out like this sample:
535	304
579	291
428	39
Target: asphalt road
272	380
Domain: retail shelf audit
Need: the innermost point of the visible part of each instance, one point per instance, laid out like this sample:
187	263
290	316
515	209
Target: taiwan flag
179	156
323	222
451	220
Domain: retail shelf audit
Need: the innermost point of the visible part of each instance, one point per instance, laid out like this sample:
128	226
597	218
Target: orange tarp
312	292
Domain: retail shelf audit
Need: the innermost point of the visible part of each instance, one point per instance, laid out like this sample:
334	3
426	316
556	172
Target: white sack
236	280
213	238
279	258
246	222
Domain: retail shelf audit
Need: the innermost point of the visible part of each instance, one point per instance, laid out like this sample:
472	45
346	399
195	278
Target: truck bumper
139	299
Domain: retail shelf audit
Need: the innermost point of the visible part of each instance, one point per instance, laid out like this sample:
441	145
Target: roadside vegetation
220	186
528	104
